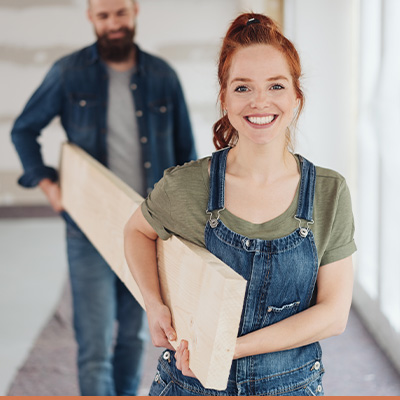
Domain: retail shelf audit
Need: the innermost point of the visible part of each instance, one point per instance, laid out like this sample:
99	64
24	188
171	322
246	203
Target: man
126	108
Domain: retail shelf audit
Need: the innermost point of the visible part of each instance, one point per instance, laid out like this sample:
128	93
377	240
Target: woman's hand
140	252
182	359
160	326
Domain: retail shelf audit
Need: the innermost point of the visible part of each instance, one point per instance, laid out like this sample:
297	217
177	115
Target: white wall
33	35
325	34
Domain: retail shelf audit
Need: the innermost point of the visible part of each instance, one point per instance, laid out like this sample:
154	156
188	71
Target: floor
37	352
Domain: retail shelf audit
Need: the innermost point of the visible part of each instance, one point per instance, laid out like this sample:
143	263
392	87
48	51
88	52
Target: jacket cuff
32	177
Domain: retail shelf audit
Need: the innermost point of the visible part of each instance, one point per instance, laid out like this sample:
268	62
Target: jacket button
167	356
82	103
317	365
133	86
143	139
147	164
319	389
139	113
163	109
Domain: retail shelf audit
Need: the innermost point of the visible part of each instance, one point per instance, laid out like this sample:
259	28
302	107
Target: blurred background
351	78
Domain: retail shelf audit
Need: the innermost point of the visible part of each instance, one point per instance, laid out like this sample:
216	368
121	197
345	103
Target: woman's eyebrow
278	78
273	78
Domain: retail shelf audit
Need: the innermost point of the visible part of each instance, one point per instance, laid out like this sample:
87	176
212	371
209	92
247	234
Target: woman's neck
260	163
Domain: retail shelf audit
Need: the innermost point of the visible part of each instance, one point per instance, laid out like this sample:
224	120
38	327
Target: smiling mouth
261	120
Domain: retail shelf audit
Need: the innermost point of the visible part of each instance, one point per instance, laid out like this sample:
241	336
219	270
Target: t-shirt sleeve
156	209
341	240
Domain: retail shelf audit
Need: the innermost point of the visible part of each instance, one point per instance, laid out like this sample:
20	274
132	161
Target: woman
284	225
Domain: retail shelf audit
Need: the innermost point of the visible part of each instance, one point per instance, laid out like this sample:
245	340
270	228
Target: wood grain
205	295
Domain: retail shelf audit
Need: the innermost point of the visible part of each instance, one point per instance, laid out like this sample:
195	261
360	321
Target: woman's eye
277	87
241	89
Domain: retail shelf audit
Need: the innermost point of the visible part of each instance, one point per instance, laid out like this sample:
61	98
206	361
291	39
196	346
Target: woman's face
260	98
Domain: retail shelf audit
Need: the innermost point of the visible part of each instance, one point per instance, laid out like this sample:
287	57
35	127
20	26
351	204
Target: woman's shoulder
331	188
190	167
327	173
326	178
188	173
189	177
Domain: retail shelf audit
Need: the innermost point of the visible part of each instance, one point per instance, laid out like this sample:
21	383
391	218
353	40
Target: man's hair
133	1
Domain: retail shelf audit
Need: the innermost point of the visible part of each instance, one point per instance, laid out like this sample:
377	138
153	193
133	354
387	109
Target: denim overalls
281	276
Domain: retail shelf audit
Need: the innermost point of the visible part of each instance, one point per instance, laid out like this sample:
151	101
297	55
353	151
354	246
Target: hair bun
252	20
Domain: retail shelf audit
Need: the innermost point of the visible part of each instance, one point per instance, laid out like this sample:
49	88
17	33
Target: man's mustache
121	30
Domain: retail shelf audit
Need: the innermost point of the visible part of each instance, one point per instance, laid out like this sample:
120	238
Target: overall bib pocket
276	314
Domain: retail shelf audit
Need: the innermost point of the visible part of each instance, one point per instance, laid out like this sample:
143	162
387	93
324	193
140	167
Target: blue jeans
169	381
110	326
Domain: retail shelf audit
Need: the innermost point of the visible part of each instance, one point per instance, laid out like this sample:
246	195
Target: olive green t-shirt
178	204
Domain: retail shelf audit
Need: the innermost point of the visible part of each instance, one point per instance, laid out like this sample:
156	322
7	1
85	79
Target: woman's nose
260	100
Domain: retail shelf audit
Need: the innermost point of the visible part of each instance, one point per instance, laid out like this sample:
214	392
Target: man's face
114	25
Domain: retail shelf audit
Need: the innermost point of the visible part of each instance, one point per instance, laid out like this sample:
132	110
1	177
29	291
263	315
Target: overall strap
307	190
216	199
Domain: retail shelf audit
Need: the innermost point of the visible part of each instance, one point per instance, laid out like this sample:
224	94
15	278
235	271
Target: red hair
241	33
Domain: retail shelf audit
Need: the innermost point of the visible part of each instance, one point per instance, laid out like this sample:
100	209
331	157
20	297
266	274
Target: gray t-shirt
123	147
178	204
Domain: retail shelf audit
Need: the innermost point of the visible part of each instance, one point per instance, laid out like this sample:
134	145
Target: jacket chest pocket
161	117
83	108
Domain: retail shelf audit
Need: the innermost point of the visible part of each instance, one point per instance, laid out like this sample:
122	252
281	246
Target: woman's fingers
159	339
161	330
178	358
169	331
182	359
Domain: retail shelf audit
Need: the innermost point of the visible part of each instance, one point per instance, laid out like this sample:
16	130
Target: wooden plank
205	296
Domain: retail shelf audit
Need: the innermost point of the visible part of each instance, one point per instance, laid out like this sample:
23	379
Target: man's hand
53	193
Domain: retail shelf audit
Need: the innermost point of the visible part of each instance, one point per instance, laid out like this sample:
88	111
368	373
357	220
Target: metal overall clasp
304	230
214	221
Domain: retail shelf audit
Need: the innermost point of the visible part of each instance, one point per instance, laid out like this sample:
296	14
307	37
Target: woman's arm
140	252
327	318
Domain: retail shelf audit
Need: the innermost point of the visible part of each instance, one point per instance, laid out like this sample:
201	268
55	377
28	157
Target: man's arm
42	107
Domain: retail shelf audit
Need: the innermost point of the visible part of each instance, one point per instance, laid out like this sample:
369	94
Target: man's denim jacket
76	89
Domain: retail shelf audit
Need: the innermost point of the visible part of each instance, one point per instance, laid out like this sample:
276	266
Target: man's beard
116	50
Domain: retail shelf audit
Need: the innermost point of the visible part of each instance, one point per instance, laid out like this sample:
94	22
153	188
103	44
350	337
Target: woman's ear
222	102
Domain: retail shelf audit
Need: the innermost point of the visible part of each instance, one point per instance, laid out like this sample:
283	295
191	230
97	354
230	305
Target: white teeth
261	120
